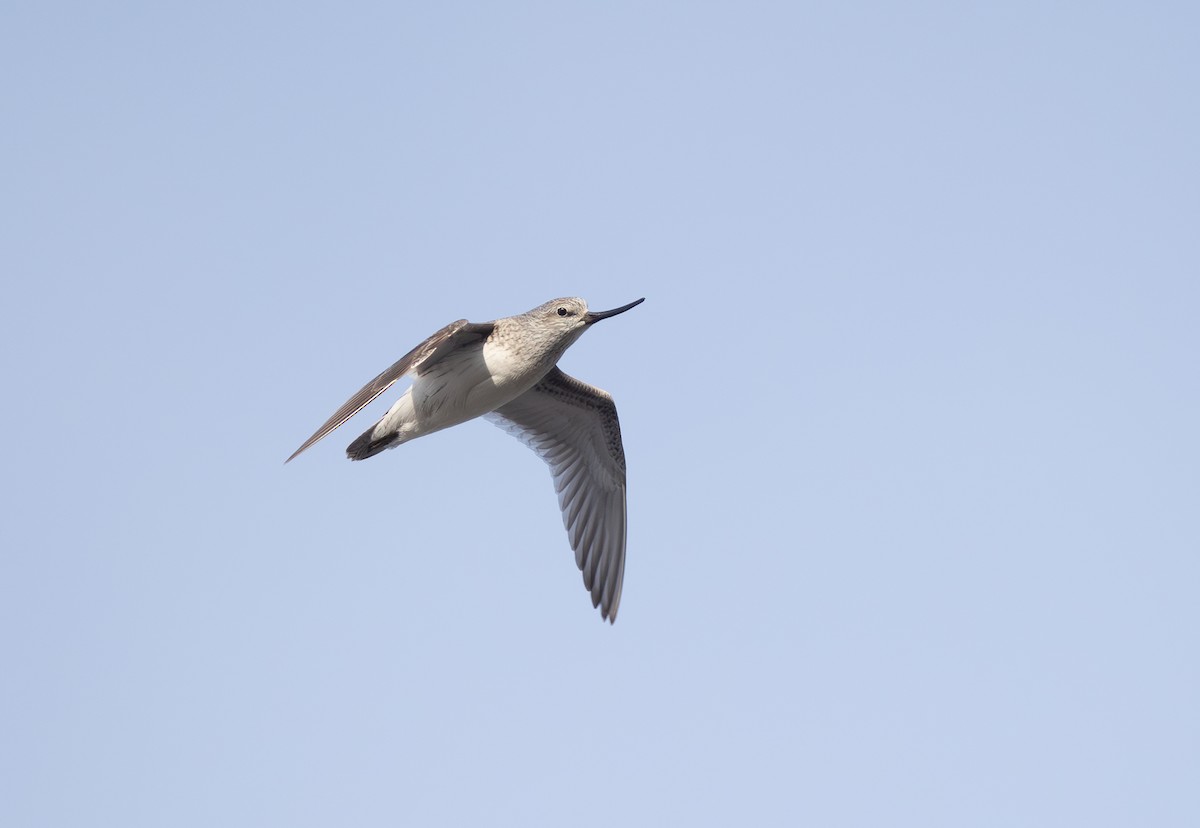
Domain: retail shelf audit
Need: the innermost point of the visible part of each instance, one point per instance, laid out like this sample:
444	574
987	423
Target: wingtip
607	613
611	615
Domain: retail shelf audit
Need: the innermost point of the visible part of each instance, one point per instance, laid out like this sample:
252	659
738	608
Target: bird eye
562	311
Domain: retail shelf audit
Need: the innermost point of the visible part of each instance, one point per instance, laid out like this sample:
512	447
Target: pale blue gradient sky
910	412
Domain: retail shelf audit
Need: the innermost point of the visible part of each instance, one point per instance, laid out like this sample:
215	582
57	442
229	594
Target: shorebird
507	371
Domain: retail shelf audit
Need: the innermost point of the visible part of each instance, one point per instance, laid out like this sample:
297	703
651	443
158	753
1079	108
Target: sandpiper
507	372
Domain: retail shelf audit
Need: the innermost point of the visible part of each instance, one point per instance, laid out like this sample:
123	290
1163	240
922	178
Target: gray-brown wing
573	426
455	335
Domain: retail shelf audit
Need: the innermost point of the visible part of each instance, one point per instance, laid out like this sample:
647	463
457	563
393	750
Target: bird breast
469	384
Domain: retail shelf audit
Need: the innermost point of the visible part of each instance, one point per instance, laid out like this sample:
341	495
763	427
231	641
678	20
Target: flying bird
507	371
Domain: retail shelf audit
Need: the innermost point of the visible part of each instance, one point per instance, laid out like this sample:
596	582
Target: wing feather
455	335
573	426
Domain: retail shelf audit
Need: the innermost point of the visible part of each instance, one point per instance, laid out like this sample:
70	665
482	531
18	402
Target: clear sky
910	414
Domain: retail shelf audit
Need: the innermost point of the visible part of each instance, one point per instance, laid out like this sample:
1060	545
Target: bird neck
534	342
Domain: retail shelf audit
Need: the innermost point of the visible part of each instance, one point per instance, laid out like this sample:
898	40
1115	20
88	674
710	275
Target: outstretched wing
573	427
453	336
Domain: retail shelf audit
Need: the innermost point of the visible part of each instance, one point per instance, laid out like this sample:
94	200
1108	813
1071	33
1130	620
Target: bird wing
455	335
573	427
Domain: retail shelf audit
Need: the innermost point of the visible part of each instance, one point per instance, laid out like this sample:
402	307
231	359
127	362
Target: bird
506	371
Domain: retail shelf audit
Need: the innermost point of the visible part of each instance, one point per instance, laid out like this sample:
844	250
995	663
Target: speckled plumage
507	371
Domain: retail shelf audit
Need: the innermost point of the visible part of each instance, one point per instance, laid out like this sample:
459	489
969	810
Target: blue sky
909	411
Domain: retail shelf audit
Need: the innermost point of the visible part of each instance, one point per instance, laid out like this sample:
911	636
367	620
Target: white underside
460	387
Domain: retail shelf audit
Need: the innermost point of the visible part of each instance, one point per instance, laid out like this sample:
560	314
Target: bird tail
368	445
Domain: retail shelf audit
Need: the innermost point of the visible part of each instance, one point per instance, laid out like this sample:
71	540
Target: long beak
595	316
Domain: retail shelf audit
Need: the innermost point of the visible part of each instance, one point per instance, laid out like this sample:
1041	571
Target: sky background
910	414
